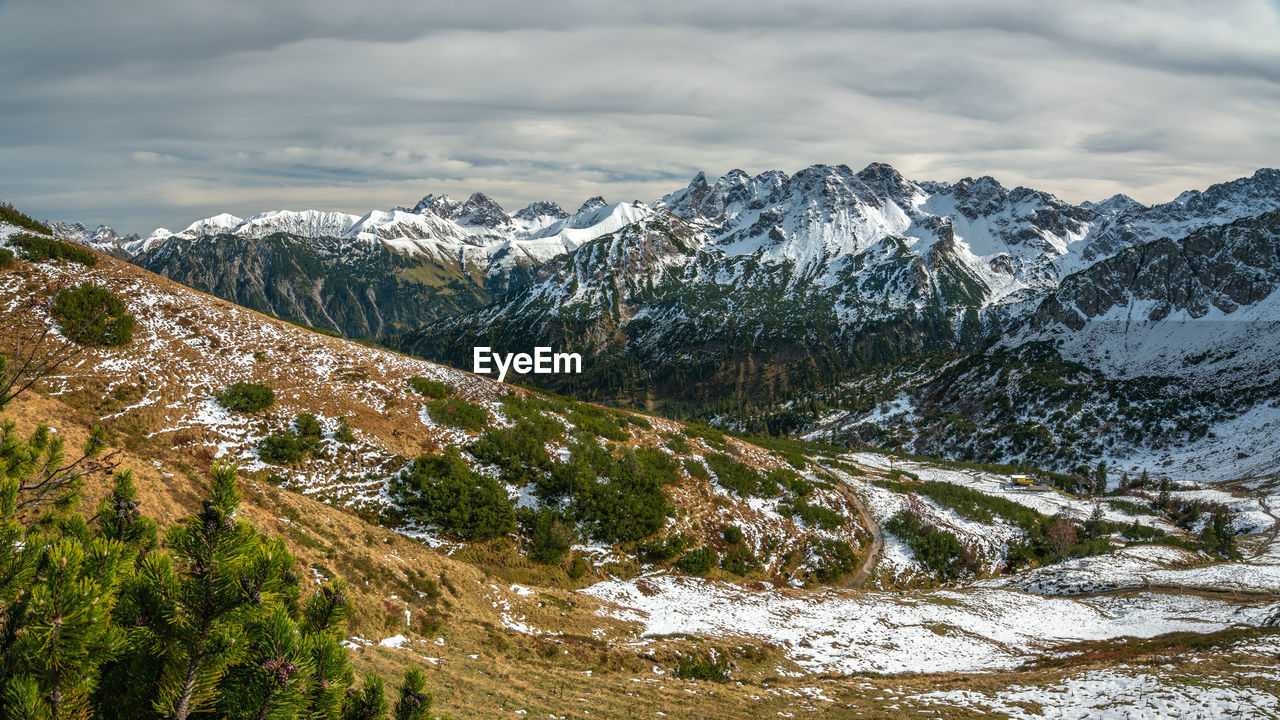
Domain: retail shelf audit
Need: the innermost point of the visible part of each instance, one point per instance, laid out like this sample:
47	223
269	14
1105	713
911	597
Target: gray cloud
141	113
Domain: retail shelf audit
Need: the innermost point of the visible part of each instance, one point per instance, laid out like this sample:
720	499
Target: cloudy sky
141	113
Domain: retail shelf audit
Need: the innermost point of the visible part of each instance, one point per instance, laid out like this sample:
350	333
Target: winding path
868	564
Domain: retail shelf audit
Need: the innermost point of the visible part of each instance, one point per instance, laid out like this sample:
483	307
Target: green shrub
430	388
35	248
696	469
344	434
677	444
697	562
1133	508
743	480
740	561
799	486
246	397
639	421
578	567
92	315
692	668
619	499
732	534
939	551
282	448
662	549
12	216
970	503
812	515
6	258
519	451
307	427
549	534
833	560
597	422
714	438
290	446
458	413
443	491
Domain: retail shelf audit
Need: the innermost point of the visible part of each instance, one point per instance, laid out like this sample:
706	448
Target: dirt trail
868	564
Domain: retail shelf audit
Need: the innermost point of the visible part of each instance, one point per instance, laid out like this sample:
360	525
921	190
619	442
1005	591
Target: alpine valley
845	444
966	319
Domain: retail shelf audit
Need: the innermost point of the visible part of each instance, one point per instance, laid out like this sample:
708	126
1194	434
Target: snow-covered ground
992	624
893	632
1112	695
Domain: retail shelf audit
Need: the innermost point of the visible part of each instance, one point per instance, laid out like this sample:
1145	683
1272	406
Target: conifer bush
92	316
432	389
246	397
443	491
13	216
103	619
35	248
458	413
697	562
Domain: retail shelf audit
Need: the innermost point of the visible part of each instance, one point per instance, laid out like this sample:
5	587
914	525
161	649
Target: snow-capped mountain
769	283
1163	352
441	257
102	238
1012	242
781	283
1203	306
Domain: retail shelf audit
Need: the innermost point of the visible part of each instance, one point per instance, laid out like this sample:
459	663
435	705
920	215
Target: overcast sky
141	113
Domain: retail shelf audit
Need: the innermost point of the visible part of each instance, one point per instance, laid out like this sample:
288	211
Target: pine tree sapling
223	579
37	463
324	619
415	701
120	520
67	634
367	703
1166	495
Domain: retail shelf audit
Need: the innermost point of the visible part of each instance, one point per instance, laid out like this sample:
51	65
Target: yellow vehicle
1023	480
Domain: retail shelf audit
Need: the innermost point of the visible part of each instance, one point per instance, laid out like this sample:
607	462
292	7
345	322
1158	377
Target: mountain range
777	302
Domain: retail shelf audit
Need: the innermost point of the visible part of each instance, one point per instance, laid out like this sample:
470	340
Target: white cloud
145	112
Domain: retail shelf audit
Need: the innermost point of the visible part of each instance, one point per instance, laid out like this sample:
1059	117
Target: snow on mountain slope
1203	307
1011	241
101	238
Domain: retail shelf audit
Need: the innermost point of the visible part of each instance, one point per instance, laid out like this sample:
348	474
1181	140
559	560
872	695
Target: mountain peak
878	171
482	210
594	203
441	205
1115	204
542	208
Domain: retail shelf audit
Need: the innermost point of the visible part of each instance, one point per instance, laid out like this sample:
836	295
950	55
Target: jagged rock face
534	211
850	267
290	278
830	269
1221	267
483	211
444	257
441	205
102	238
591	205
